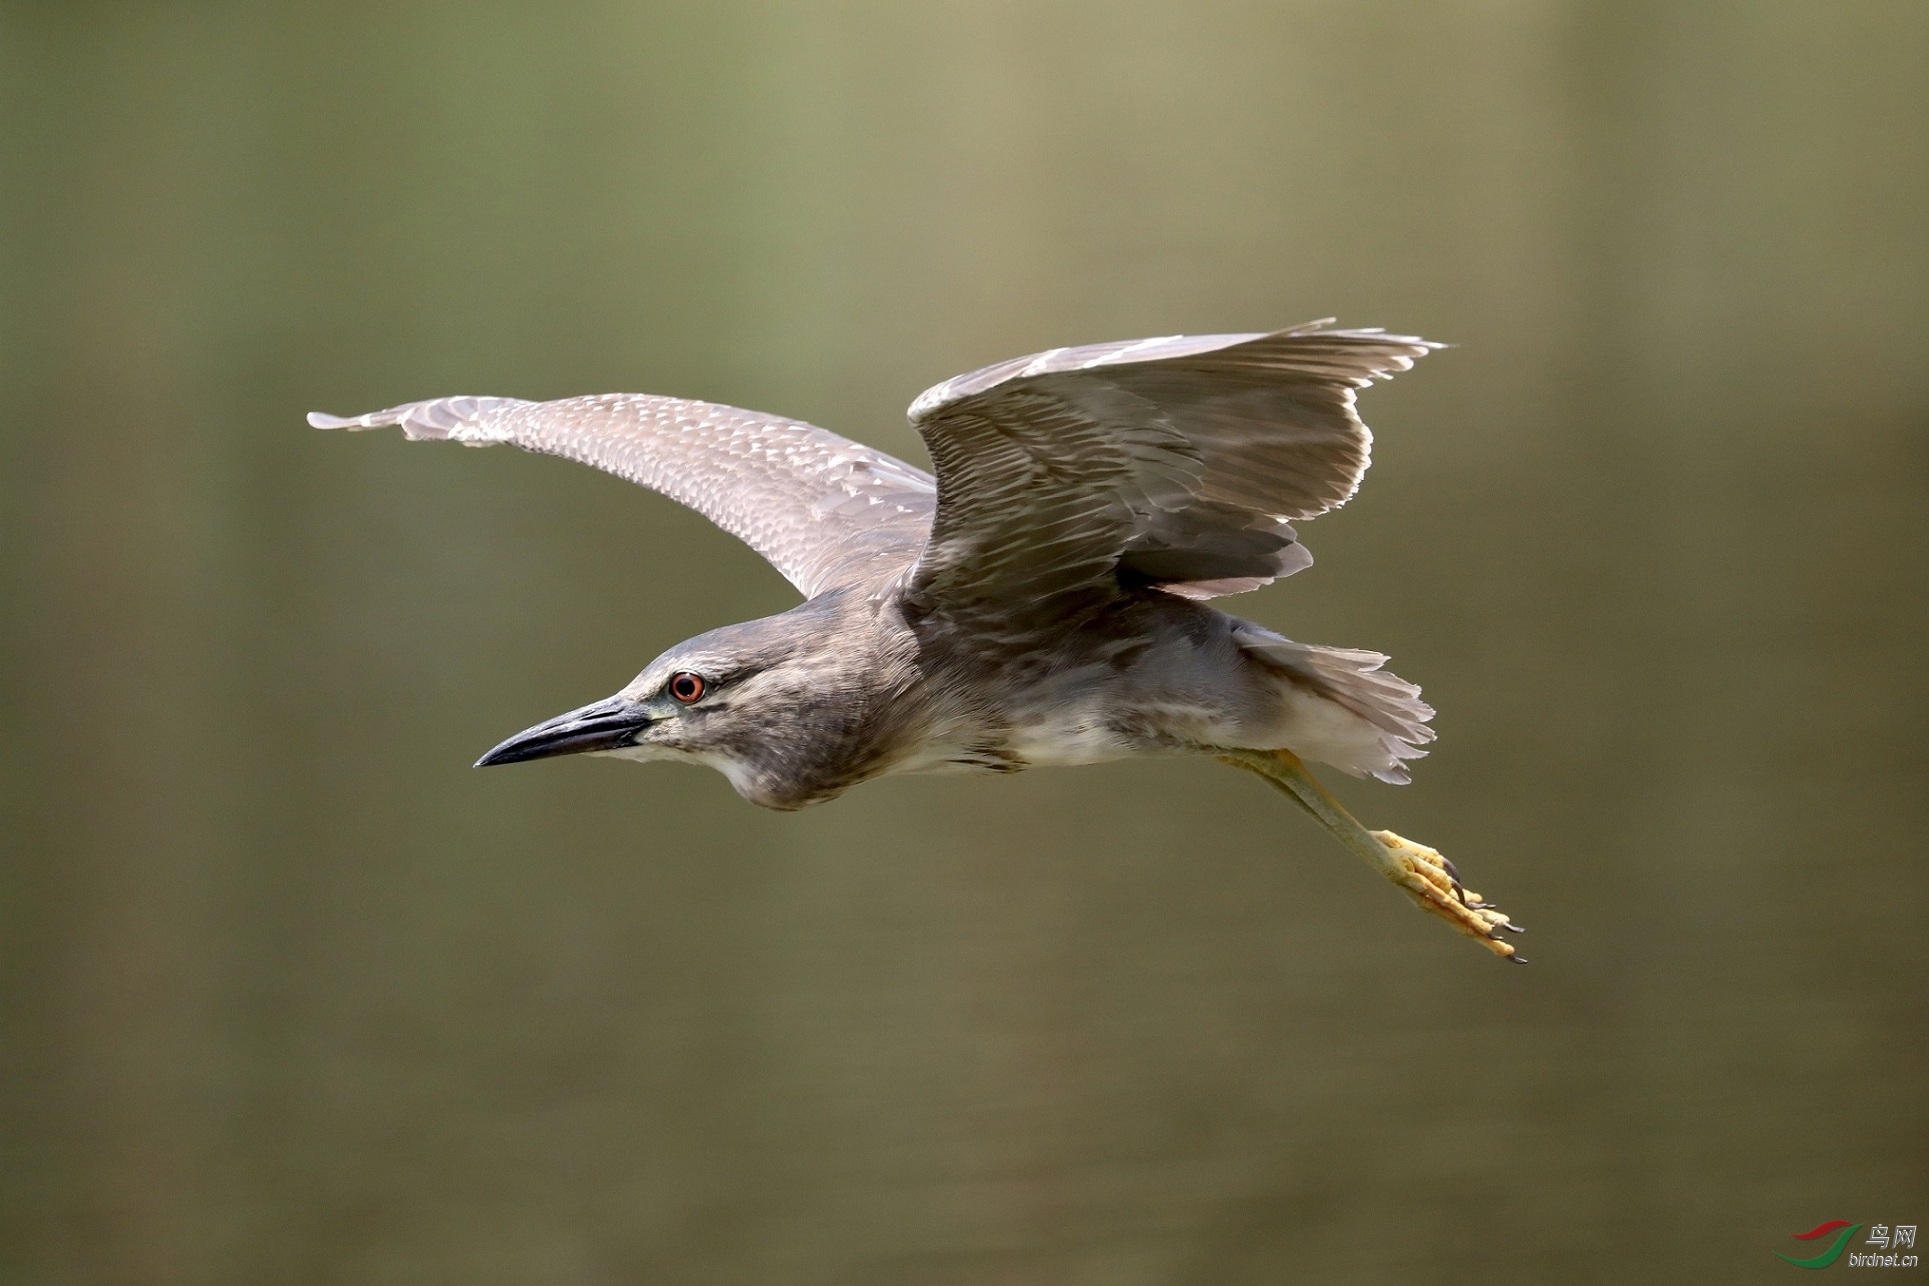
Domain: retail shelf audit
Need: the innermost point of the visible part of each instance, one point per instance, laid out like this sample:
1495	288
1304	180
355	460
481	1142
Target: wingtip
1328	327
322	420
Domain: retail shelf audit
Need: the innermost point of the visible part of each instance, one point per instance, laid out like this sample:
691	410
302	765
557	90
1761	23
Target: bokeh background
292	995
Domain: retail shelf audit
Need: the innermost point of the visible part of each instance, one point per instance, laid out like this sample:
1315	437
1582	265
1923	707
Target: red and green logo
1833	1253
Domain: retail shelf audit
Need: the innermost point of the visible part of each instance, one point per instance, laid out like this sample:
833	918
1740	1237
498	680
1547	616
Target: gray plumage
1037	602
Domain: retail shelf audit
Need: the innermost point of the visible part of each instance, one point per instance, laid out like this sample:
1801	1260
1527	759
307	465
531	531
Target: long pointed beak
608	724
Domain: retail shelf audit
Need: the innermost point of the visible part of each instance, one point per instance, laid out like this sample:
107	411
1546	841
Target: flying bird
1043	600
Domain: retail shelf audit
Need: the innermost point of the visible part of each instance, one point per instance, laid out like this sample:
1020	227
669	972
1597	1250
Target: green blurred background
292	995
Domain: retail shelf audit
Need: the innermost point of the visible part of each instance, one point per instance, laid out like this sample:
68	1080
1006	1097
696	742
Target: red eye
686	687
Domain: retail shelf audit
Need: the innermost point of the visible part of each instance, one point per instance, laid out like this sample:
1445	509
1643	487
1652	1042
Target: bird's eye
687	687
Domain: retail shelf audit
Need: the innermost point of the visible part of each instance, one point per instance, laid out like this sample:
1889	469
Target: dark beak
609	724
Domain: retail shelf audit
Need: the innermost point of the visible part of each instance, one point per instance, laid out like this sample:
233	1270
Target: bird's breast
1066	731
1084	732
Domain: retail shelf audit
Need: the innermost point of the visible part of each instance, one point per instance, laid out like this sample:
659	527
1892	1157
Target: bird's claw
1432	882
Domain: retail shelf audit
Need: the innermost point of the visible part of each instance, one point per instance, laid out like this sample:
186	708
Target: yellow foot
1430	880
1426	876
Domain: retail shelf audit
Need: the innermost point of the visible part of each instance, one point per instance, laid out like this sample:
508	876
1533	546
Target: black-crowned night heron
1038	602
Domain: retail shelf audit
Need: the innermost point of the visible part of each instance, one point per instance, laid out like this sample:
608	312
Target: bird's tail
1392	725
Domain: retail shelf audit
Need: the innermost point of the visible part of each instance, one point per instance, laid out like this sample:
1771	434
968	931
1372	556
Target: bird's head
775	705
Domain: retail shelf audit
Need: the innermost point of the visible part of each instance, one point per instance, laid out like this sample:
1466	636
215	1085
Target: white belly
1073	736
1067	734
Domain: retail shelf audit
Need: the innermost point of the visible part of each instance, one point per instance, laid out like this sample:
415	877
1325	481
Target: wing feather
825	511
1179	461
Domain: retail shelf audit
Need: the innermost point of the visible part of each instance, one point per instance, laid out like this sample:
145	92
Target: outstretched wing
825	511
1176	462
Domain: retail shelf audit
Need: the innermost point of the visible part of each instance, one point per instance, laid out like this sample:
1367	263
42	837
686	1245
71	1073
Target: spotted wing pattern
825	511
1178	462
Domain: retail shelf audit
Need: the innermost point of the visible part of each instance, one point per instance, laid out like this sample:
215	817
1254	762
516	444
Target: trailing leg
1428	878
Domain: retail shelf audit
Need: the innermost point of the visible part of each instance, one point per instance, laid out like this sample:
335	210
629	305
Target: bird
1041	598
